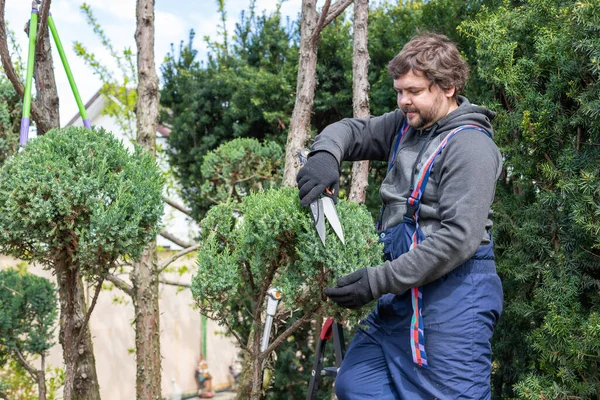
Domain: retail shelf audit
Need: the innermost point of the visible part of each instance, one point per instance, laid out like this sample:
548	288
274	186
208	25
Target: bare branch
121	284
306	317
14	292
336	10
43	23
173	238
237	337
177	206
182	253
589	252
321	22
89	312
5	55
173	283
25	364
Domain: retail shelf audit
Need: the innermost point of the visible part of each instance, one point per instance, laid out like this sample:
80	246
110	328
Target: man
439	296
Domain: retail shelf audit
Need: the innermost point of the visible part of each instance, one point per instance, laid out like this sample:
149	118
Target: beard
420	119
423	118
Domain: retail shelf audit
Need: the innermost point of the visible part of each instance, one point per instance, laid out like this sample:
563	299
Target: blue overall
456	317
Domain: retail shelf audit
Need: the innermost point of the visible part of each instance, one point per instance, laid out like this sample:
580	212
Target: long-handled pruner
324	208
25	120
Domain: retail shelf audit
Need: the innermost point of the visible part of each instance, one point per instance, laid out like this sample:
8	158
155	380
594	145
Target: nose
403	100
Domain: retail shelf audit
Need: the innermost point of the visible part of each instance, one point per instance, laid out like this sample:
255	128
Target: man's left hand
352	290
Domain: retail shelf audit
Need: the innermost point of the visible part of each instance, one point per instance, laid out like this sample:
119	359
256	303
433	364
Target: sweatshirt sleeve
469	168
353	139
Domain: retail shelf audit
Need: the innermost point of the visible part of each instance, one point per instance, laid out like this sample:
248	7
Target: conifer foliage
76	200
79	193
28	310
541	61
269	240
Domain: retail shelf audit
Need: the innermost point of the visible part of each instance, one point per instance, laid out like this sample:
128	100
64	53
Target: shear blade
332	217
316	207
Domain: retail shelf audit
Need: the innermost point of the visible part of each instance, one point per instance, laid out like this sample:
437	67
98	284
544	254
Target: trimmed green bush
78	197
270	240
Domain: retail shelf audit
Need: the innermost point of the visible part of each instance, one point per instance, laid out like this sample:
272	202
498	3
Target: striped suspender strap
417	335
399	136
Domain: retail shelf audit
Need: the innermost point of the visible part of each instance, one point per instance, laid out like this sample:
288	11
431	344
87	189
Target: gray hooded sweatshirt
455	207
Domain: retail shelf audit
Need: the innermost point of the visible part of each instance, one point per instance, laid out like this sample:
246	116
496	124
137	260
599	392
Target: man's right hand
320	172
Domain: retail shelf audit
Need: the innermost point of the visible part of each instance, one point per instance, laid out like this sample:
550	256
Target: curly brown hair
436	57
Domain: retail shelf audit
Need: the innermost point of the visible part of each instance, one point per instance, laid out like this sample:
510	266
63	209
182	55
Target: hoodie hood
467	114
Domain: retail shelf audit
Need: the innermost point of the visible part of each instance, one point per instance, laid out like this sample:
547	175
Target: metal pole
204	321
25	120
65	63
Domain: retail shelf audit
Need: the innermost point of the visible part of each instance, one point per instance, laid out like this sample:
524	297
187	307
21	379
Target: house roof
89	103
160	129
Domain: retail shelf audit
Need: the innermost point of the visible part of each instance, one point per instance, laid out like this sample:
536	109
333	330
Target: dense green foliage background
536	63
541	63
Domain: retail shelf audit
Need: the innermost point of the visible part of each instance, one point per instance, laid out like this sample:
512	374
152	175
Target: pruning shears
324	208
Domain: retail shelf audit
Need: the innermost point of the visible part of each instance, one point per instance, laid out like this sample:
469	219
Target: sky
173	21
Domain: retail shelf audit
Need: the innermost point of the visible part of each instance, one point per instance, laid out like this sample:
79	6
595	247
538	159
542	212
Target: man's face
422	102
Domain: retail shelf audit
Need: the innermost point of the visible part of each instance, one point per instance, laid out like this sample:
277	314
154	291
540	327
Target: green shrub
78	197
239	167
269	240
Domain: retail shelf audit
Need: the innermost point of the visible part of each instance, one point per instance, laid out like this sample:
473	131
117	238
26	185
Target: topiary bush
239	167
79	195
269	240
76	200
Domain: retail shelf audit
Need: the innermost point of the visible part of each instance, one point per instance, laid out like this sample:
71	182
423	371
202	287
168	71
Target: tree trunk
244	388
40	376
144	276
305	92
360	93
250	385
148	94
81	382
45	84
147	326
311	25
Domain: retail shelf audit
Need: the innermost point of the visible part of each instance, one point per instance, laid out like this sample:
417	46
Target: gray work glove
352	291
320	172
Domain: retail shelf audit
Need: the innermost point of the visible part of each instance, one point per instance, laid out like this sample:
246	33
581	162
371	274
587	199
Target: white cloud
168	24
122	9
67	11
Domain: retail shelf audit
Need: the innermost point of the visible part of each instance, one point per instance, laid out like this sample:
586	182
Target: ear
450	92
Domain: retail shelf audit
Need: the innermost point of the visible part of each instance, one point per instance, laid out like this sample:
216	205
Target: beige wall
113	337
